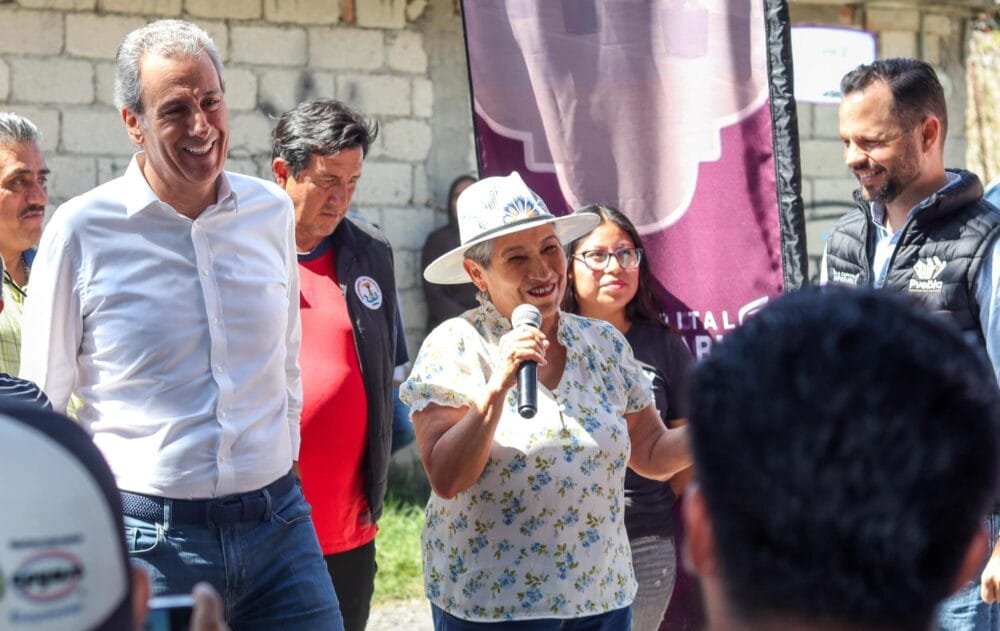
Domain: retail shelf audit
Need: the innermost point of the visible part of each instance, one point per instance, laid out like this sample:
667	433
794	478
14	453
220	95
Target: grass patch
397	546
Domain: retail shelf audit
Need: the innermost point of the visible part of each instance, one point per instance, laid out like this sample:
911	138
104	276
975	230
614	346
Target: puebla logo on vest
369	292
844	278
926	272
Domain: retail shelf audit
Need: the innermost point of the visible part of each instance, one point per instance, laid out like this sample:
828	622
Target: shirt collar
140	195
877	209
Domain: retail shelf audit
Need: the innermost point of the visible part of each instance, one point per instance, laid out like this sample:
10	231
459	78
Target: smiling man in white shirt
167	301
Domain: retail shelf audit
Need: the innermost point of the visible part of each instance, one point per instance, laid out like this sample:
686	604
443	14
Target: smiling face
526	267
322	193
604	293
183	130
23	195
885	157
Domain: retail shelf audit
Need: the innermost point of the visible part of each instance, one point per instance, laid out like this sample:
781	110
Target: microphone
527	372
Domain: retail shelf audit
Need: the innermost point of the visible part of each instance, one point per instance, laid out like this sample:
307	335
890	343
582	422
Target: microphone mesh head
526	314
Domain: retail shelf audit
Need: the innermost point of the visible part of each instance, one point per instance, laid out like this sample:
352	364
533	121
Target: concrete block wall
399	61
935	34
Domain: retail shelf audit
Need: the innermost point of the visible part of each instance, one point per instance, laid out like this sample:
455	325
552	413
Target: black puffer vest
938	254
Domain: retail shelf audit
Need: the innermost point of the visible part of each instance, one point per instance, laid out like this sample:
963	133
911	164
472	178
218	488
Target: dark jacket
444	301
360	251
938	254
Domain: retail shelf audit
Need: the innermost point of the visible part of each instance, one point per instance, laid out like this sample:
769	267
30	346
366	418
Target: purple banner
664	110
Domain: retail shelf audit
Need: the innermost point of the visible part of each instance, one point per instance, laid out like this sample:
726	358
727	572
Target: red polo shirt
334	411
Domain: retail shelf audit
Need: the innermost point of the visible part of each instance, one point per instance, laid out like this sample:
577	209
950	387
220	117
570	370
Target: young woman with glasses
610	279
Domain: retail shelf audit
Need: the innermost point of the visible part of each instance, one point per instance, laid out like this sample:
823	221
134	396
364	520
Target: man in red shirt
350	341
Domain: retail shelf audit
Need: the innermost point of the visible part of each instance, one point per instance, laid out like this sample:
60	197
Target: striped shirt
23	390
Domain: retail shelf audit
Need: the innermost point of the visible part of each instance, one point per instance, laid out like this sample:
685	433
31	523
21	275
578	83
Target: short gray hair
173	39
17	130
481	253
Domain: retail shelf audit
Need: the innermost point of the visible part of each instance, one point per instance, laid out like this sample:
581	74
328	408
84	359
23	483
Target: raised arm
657	452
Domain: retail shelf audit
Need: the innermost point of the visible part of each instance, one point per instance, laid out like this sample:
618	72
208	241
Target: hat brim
448	269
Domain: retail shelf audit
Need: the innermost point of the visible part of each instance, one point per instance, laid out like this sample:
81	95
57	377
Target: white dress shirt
181	337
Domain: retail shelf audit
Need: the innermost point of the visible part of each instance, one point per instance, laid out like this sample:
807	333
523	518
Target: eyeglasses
598	260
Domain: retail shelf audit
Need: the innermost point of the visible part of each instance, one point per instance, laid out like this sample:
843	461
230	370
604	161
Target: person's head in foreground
846	450
63	560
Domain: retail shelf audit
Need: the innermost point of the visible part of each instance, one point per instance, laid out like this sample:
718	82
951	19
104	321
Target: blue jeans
271	574
965	610
616	620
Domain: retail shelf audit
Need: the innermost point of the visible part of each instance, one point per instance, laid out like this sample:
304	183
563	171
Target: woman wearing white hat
524	526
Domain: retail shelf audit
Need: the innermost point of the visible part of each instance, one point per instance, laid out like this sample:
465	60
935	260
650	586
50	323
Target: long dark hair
644	305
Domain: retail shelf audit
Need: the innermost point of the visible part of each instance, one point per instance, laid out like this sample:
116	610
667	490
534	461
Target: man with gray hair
167	301
23	196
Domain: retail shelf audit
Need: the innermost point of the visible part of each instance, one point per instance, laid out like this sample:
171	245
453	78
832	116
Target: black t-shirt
664	357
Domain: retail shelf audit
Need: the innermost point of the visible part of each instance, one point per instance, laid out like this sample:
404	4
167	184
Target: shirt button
222	414
215	320
204	272
218	369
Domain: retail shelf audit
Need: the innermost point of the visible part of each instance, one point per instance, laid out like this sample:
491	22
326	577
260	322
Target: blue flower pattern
541	533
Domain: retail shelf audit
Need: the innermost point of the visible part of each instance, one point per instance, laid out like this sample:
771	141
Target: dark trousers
353	574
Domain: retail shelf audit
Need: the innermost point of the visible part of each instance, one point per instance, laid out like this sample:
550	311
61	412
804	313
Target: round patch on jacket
369	292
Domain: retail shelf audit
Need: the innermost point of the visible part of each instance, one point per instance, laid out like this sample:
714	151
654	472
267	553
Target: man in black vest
922	230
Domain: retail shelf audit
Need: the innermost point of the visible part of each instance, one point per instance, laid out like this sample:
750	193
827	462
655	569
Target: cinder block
932	49
246	166
804	112
822	158
249	134
346	48
104	75
422	195
224	9
55	80
219	32
143	7
834	192
406	52
407	228
281	90
4	80
322	85
97	36
375	94
414	310
241	89
423	98
936	24
98	131
302	11
407	139
897	44
46	120
415	9
111	168
30	32
268	45
385	183
892	20
405	264
71	175
380	13
826	121
70	5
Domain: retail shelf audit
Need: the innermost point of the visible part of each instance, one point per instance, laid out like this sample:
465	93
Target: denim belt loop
268	505
168	505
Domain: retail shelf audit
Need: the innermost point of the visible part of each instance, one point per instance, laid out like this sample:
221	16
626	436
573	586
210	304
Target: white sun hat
497	206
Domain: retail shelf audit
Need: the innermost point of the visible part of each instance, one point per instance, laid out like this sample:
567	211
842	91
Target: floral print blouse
541	532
